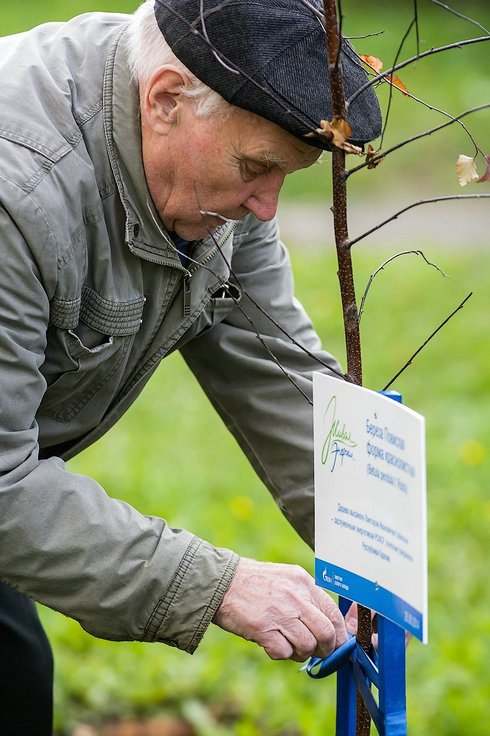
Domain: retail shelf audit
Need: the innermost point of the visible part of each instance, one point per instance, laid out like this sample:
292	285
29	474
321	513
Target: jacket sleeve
270	418
63	540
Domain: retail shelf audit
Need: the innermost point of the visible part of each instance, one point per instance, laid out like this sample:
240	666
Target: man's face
228	167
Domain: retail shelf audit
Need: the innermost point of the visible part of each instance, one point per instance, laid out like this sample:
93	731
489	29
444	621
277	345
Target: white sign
370	501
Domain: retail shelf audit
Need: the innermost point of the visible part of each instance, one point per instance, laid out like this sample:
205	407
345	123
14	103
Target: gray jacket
92	297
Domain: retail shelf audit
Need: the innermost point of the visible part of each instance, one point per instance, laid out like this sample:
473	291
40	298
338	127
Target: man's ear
162	99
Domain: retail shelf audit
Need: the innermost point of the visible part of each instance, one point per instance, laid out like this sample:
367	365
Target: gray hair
148	50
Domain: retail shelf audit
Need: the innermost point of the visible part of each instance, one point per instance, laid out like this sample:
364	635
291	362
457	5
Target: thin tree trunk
346	282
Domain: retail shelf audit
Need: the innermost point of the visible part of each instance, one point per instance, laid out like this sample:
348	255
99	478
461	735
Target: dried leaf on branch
372	62
486	175
466	169
376	66
336	133
373	157
395	81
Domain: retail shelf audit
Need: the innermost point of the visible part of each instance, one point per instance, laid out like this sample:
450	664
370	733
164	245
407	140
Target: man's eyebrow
269	159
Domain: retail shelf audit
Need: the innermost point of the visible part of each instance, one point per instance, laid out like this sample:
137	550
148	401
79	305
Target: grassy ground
229	687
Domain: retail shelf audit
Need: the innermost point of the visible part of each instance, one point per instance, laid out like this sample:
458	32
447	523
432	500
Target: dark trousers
26	668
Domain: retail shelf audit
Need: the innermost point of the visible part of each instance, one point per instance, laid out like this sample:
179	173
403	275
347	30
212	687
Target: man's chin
197	231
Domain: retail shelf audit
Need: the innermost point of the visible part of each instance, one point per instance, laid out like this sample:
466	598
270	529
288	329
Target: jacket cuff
182	616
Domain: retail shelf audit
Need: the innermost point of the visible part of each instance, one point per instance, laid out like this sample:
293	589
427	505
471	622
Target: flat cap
268	57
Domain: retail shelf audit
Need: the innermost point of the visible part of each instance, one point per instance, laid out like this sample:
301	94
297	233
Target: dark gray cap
279	46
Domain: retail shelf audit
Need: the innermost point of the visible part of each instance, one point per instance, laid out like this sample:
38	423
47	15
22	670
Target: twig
446	198
255	303
381	155
365	35
340	18
407	62
275	323
385	263
460	15
409	361
390	96
317	13
205	34
448	115
416	19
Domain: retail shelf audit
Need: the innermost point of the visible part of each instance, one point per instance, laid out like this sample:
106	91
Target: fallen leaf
336	132
486	175
466	169
372	62
373	157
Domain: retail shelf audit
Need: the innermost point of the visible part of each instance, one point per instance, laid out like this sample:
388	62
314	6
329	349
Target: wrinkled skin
281	609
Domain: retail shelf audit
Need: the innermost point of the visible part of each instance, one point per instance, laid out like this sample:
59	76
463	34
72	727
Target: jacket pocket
86	352
221	303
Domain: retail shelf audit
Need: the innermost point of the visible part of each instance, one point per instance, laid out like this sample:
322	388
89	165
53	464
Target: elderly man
140	162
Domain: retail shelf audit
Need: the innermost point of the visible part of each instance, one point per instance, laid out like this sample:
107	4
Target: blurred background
229	686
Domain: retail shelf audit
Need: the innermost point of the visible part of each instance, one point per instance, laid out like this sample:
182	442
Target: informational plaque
370	501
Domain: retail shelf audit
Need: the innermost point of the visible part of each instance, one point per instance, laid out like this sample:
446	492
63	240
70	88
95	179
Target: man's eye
251	169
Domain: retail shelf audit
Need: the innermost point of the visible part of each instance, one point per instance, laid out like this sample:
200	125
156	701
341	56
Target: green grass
229	686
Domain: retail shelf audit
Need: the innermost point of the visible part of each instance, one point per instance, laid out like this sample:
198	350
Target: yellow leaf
376	65
465	169
372	62
395	81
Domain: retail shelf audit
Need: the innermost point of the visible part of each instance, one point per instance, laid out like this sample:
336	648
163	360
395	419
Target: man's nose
263	202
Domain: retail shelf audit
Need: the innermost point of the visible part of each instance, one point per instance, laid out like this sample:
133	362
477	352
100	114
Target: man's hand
280	608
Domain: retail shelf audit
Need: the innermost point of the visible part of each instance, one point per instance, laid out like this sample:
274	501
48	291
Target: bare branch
213	50
407	62
447	115
340	16
254	302
317	13
416	19
365	35
385	263
446	198
409	361
397	55
460	15
377	157
272	320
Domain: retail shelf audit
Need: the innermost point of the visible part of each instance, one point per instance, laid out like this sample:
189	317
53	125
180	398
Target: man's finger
322	629
301	637
328	607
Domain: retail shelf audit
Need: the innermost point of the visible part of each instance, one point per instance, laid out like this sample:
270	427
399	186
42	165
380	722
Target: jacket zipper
187	294
195	267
